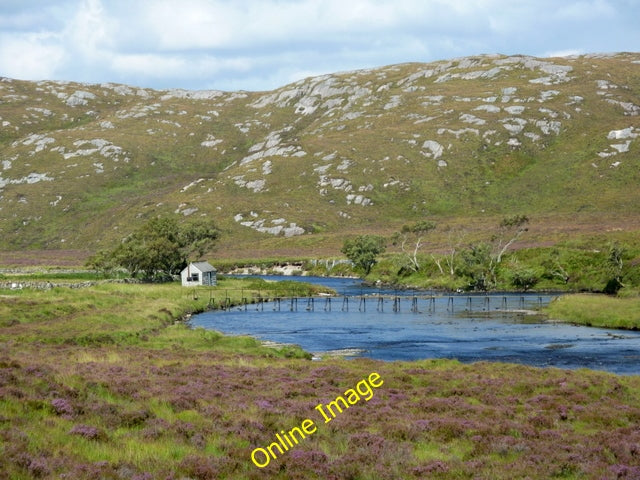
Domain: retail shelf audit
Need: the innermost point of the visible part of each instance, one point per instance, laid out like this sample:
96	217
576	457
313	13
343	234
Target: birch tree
410	240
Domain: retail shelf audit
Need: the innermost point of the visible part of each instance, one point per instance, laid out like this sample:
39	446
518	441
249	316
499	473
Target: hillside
297	169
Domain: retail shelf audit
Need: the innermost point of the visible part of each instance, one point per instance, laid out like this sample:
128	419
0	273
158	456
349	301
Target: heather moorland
105	382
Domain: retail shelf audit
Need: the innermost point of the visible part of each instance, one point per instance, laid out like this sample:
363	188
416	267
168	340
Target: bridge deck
343	302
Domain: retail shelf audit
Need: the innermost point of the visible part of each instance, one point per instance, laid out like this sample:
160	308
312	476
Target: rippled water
409	326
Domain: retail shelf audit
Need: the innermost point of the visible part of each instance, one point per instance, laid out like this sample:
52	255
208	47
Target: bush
87	431
524	278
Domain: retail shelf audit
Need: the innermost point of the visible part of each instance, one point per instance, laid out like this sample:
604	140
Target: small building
198	273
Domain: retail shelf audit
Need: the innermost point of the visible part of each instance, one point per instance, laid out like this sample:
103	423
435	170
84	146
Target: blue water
465	327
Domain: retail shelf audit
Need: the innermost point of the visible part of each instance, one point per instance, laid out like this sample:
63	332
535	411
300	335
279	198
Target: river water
405	325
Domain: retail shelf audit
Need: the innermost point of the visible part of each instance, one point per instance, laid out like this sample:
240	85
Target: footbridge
415	303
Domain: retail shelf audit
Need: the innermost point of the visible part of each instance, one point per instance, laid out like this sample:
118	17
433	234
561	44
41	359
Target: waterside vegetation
597	310
500	260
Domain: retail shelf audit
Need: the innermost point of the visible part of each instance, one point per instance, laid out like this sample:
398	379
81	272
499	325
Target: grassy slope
99	382
552	179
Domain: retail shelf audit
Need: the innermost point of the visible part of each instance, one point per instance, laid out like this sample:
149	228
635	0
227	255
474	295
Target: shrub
524	278
62	406
87	431
200	468
39	467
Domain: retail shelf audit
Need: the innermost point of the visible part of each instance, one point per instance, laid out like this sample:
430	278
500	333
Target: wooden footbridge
417	303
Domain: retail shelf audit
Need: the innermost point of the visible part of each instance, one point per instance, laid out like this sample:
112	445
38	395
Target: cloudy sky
264	44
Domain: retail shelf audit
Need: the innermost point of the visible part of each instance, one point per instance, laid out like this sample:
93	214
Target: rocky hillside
302	166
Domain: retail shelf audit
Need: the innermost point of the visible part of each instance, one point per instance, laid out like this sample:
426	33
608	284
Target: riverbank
407	326
594	310
107	382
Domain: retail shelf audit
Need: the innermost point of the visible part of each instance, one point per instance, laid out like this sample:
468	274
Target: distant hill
296	169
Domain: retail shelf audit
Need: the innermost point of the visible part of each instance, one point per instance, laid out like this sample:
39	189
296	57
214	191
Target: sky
261	45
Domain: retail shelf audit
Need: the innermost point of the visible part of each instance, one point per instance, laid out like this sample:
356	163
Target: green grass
61	277
597	311
132	314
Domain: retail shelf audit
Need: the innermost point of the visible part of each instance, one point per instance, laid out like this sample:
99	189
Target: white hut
198	273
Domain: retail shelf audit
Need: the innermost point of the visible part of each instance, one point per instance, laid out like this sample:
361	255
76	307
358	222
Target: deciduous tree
159	249
363	250
481	261
410	240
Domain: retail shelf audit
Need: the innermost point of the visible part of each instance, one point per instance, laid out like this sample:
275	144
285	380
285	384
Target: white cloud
174	66
263	44
91	31
563	53
190	24
30	56
148	64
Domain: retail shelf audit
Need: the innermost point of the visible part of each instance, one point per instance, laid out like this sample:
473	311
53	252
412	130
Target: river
405	325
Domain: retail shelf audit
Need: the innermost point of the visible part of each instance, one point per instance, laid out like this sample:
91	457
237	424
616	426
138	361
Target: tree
455	239
481	261
198	237
511	228
554	267
615	264
363	250
413	234
477	264
103	262
159	249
